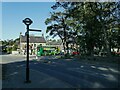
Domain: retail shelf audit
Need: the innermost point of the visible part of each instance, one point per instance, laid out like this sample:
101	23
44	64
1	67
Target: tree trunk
118	49
67	48
107	42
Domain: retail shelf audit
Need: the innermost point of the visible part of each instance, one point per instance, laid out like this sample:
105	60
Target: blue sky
14	12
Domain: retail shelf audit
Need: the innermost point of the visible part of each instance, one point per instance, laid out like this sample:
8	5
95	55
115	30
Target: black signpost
28	22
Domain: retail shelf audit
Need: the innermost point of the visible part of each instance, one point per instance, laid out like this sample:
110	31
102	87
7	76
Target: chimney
20	33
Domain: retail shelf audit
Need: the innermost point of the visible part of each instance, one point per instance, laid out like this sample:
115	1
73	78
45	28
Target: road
9	58
79	74
76	74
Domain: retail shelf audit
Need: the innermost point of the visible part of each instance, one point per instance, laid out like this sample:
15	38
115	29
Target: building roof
52	42
33	39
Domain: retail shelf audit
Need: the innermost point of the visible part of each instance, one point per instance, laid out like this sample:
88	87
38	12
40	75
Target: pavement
50	72
9	58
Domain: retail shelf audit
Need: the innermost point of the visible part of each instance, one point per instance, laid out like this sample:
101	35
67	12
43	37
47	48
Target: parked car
115	53
75	53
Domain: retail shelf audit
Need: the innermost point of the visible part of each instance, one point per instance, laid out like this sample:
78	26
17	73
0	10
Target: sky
0	20
14	12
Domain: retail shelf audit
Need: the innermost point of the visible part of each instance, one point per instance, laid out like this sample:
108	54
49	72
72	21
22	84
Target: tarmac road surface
75	74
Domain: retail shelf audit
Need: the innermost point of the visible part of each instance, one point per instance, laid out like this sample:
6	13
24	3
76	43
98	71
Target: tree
15	47
57	26
93	24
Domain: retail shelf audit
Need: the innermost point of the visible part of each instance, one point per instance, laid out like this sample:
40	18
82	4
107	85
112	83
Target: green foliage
10	44
90	25
14	48
9	50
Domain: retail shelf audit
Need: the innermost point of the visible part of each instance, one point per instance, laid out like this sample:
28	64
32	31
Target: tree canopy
93	26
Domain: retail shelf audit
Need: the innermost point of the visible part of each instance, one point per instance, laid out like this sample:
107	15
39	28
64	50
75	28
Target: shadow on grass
92	59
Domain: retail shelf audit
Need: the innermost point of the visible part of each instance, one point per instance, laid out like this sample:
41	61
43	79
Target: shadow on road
70	73
14	75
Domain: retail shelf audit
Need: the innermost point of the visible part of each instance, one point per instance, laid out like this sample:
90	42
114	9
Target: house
34	41
54	43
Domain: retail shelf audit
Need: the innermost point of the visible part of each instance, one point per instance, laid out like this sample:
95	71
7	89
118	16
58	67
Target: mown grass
99	59
94	59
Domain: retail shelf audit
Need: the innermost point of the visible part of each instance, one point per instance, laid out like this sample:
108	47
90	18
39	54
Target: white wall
23	44
15	52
